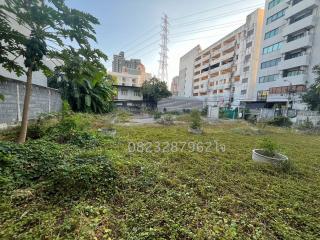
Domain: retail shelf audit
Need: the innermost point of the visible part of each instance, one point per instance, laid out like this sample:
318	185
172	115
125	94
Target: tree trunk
25	115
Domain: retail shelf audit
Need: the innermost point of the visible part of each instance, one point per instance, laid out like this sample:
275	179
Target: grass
183	195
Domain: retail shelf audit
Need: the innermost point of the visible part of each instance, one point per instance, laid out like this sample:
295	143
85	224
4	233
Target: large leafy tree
48	22
83	81
312	97
154	90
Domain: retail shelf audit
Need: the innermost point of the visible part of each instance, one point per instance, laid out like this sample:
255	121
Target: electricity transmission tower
163	62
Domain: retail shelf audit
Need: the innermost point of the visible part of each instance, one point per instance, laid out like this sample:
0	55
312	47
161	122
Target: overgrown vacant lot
93	187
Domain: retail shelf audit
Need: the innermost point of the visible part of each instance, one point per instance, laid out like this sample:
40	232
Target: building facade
174	86
226	71
186	70
128	86
290	49
119	62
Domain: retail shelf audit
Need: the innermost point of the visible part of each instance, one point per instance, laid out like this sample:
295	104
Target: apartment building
186	70
226	71
290	49
128	86
119	62
174	86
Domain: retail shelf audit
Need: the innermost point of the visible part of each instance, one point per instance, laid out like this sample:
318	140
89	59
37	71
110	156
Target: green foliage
161	195
154	90
269	147
195	119
204	111
157	115
312	97
166	119
281	121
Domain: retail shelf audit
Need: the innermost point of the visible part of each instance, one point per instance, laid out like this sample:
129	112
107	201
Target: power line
151	37
131	55
207	10
226	14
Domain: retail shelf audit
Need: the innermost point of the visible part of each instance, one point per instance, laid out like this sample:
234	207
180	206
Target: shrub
204	111
58	168
281	121
195	120
157	115
269	147
166	119
84	175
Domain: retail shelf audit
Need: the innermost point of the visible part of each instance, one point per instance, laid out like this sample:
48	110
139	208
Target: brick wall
43	100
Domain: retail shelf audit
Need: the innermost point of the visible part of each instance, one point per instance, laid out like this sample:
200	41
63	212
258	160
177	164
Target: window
197	73
196	87
243	92
296	2
197	59
272	48
246	69
245	80
136	93
249	44
247	58
274	3
292	72
269	78
293	55
124	92
262	95
301	16
272	33
296	36
271	63
250	32
276	16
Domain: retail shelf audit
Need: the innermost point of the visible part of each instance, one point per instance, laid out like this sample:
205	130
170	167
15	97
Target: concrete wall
43	100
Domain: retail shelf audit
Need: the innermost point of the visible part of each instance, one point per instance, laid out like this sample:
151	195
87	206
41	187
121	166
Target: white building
290	49
226	71
128	86
186	70
174	86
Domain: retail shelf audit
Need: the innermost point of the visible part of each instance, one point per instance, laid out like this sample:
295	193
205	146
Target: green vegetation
269	147
153	91
281	121
195	119
54	23
60	189
312	97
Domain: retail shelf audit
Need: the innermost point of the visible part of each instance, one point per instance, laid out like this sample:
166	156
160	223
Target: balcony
227	56
296	80
303	42
228	46
294	62
226	66
305	23
305	4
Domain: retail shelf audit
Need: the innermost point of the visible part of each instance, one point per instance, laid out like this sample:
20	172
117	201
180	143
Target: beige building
225	72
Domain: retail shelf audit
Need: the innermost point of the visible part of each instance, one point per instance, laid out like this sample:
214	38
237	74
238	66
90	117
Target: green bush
204	111
269	147
157	115
281	121
195	119
60	168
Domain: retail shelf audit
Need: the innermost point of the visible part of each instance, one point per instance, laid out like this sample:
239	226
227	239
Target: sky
134	26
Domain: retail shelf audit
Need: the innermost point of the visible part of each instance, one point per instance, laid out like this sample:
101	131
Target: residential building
186	70
119	62
174	86
225	73
128	85
290	49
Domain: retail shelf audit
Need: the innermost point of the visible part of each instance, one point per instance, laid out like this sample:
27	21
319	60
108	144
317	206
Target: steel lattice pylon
163	62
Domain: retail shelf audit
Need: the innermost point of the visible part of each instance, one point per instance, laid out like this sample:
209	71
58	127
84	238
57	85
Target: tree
48	22
154	90
312	97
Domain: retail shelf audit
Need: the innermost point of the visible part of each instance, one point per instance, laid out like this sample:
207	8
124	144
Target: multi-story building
119	62
186	70
174	86
226	71
290	49
128	86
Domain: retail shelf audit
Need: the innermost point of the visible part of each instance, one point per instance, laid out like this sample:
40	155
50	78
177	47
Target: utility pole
163	62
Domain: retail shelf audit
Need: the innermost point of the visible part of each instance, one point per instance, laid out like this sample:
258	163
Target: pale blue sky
133	26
